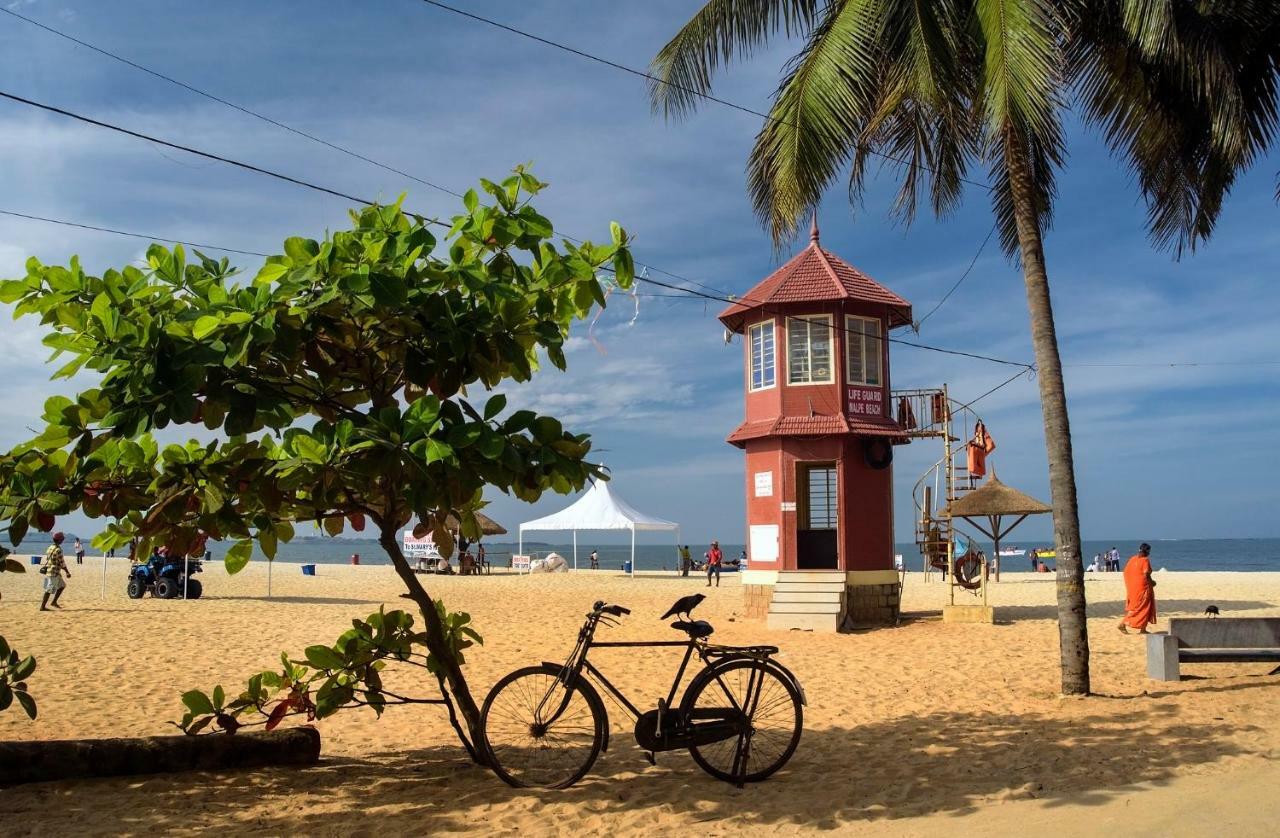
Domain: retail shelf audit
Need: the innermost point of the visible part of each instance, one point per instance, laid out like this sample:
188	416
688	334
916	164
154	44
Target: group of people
468	563
1104	562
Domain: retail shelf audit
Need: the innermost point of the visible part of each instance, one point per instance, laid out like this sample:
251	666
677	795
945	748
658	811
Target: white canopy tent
599	509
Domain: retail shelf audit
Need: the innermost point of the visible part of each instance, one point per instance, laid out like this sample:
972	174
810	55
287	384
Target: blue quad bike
163	577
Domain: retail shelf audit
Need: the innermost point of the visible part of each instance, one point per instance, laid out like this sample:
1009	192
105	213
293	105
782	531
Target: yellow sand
924	729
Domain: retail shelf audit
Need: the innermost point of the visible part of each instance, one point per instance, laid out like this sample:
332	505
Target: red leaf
278	713
357	521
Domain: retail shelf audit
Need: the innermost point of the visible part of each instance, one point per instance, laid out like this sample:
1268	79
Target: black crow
683	605
1211	611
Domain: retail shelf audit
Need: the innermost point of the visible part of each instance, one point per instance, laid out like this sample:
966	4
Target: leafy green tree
14	669
343	385
1184	91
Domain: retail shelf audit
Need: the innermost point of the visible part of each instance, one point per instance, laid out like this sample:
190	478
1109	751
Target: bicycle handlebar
615	610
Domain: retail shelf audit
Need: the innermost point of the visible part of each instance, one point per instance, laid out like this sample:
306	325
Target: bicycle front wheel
538	732
768	736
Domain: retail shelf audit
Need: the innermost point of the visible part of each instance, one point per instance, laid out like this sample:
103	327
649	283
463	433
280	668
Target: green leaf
197	702
24	669
495	405
270	273
387	290
219	697
323	657
205	326
238	556
437	450
28	703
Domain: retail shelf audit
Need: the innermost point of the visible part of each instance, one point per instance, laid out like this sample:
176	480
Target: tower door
817	504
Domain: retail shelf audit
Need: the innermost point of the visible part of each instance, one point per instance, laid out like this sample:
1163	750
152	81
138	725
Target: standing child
53	566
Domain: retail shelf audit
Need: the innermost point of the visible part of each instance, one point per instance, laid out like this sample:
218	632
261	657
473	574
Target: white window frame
810	320
751	369
876	346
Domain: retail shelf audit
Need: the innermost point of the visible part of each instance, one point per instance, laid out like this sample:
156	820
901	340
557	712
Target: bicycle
740	718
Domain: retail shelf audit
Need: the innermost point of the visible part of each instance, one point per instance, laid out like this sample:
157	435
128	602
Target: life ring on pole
968	571
877	451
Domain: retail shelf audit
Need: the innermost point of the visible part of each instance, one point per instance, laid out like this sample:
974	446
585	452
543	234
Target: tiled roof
814	426
816	275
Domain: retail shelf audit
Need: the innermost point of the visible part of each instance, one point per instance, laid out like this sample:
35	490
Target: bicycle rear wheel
770	735
540	734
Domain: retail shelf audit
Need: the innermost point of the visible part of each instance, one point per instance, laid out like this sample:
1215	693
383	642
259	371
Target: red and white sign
865	401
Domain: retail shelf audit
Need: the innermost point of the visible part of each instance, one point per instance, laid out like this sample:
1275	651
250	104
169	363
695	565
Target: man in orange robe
1140	592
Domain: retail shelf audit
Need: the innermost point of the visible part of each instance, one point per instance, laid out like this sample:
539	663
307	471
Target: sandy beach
922	729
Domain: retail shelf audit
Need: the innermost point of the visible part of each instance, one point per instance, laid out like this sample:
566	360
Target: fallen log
66	759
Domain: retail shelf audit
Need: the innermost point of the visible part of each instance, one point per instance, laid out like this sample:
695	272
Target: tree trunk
1073	633
453	682
37	762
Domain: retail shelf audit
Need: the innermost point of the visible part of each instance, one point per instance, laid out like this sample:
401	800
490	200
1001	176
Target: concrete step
810	587
808	596
810	575
813	622
776	607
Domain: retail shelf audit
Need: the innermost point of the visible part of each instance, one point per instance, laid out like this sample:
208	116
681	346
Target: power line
650	77
962	278
345	196
357	155
207	155
241	108
130	235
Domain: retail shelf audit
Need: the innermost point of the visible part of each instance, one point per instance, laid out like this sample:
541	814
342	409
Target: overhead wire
657	80
348	197
385	166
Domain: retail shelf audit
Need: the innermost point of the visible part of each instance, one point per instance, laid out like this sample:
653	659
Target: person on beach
79	552
1093	566
1140	593
481	561
686	561
1114	563
53	566
595	560
714	559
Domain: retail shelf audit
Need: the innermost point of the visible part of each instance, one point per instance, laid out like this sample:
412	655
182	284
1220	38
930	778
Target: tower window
809	350
864	348
763	355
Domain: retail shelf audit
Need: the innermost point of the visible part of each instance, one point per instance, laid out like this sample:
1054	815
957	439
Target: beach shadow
948	762
296	600
1115	608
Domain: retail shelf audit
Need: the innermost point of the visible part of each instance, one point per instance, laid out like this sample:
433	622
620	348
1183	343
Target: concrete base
968	614
1162	658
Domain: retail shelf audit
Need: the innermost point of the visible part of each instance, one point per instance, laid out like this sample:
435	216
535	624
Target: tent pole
575	549
633	551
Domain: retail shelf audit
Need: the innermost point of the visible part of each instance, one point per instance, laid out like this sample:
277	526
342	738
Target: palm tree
1184	90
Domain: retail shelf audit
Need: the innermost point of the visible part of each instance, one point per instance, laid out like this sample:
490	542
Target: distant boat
1012	551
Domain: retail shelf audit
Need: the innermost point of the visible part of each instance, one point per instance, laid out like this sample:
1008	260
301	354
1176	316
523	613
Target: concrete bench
1210	640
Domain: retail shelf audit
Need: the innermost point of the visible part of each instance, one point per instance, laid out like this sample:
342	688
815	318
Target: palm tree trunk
1073	633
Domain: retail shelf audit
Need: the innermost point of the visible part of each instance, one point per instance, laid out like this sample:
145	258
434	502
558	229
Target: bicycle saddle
694	628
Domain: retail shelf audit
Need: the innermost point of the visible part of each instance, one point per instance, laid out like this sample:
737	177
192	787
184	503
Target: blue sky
1160	452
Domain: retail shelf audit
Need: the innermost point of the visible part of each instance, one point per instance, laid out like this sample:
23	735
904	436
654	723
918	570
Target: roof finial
813	228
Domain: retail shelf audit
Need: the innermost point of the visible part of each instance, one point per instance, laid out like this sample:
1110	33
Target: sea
1239	554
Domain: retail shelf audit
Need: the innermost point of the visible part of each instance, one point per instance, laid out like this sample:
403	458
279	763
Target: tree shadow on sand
1103	608
947	763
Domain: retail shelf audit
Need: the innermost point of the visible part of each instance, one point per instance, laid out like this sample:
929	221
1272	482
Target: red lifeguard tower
818	435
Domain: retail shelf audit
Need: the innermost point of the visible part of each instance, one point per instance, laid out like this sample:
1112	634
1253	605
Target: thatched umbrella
994	501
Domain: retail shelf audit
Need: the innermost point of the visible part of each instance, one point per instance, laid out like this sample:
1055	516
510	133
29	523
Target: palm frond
1020	102
818	116
720	31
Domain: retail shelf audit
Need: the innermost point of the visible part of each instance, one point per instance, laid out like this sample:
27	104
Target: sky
1161	452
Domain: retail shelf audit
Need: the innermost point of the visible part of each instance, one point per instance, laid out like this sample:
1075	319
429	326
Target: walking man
714	559
686	561
1140	592
53	566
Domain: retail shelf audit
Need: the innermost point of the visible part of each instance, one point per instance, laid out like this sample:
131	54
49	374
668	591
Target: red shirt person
1140	592
714	560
